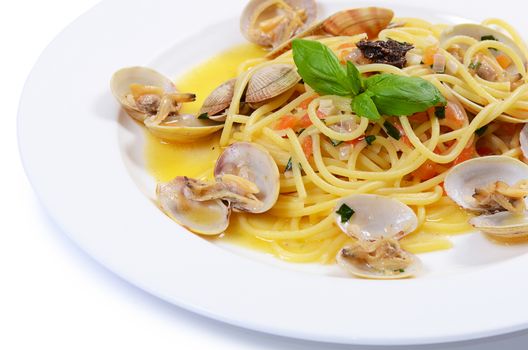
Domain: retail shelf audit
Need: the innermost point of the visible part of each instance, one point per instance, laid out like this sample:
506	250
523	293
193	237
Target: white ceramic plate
84	159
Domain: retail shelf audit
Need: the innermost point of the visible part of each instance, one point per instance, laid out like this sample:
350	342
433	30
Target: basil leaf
345	212
364	106
289	166
392	131
481	131
440	112
370	139
335	143
396	95
321	70
355	78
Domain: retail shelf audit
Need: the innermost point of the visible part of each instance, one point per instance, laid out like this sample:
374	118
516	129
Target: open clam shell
376	217
258	12
251	162
523	139
123	79
503	224
369	20
184	128
205	218
463	179
271	81
362	270
219	101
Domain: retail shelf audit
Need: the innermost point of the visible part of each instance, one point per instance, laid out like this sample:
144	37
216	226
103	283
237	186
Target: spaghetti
325	151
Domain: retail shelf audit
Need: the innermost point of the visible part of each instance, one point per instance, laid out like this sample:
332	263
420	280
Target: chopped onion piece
413	59
354	55
451	67
326	106
344	151
439	63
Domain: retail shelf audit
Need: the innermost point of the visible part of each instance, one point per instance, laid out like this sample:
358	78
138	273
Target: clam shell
205	218
271	81
254	163
523	139
367	272
255	8
477	31
503	224
369	20
219	100
183	128
375	217
123	78
463	179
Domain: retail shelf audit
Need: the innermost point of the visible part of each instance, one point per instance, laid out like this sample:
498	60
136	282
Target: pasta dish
362	138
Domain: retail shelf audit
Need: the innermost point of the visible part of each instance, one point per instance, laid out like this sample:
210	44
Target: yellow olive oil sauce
166	160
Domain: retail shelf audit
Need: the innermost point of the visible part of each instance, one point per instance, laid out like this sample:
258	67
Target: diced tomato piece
455	117
507	129
426	171
286	122
307	146
467	154
428	56
321	115
305	121
504	60
484	151
404	137
304	104
420	117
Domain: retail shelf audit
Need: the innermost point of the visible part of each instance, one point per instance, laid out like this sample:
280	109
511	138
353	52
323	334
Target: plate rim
34	167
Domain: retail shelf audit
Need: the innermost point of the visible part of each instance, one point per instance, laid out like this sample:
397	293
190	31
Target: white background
54	296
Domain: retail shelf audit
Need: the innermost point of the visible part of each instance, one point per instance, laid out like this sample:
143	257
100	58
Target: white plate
84	159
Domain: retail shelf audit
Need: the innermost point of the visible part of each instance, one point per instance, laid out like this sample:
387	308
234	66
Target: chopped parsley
391	130
204	116
488	37
335	143
440	112
370	139
481	131
345	212
474	65
289	166
400	270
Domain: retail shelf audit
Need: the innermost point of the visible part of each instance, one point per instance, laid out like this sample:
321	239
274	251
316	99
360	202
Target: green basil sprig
381	94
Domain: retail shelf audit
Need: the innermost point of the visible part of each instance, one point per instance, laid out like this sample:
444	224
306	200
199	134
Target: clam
182	128
523	139
216	104
487	68
270	23
494	188
478	32
202	217
139	90
271	81
243	164
369	20
378	223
